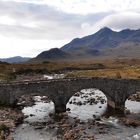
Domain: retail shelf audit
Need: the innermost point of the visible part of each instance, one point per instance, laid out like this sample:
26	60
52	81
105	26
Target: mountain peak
104	43
104	38
105	29
54	50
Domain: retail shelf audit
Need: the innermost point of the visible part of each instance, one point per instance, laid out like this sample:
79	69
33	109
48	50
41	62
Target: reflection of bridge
61	90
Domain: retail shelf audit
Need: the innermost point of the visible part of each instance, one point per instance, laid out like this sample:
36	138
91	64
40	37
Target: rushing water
37	113
84	107
133	106
28	132
117	131
89	108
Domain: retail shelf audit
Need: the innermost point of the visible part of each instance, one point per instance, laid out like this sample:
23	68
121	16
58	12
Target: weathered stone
130	122
68	109
69	135
61	90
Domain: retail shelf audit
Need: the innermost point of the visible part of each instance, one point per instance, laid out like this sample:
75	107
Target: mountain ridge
15	59
102	44
104	36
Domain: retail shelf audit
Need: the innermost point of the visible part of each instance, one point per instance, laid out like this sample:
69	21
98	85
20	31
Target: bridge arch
132	103
60	91
87	103
65	91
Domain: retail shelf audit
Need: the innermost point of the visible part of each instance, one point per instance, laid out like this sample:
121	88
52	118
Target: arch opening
87	104
36	108
132	104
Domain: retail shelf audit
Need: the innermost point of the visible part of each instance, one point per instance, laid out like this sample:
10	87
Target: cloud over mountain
63	20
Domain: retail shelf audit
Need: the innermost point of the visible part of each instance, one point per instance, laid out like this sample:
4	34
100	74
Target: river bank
9	119
85	119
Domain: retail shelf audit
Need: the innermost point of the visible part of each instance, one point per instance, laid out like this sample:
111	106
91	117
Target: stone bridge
61	90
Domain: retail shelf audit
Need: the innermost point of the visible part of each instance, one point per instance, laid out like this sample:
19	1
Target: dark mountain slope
104	38
52	54
105	43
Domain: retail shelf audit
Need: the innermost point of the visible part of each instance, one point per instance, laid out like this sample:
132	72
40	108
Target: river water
88	104
113	129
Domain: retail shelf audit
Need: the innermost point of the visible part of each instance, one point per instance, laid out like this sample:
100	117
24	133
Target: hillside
52	54
105	43
16	59
104	38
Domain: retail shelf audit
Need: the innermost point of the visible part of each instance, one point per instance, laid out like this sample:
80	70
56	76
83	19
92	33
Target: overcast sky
28	27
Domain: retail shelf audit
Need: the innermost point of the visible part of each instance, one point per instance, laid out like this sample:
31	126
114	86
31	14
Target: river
88	110
87	105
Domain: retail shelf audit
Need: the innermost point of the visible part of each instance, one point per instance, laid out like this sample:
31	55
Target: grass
118	68
112	73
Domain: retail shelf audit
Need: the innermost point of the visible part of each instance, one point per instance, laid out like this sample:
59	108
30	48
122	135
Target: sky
28	27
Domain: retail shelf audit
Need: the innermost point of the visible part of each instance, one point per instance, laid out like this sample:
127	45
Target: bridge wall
60	91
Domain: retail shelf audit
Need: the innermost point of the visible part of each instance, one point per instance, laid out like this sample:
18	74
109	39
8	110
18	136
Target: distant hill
54	53
105	43
16	59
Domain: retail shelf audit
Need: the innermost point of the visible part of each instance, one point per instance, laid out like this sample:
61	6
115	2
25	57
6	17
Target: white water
133	106
85	112
41	110
53	76
38	112
27	132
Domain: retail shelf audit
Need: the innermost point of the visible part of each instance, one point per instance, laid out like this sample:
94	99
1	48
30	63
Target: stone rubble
67	128
9	119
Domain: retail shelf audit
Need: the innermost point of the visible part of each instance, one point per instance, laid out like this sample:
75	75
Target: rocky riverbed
135	97
9	119
83	120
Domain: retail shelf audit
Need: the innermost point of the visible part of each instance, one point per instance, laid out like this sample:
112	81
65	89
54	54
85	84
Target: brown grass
127	68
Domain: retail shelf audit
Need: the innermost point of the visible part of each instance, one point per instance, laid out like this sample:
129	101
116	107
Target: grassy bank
123	68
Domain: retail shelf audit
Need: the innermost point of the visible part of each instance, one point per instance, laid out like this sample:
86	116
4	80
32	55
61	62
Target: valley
88	112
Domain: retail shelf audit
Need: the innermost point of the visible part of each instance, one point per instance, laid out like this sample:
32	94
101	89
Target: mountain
53	54
104	38
16	59
105	43
123	50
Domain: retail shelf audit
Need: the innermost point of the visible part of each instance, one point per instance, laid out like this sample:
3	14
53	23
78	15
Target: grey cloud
53	24
119	21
